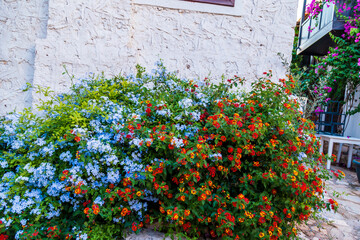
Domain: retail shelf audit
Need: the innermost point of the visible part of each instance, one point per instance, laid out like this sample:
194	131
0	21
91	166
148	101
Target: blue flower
55	189
99	201
65	156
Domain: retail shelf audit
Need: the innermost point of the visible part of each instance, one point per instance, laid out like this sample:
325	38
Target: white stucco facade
38	37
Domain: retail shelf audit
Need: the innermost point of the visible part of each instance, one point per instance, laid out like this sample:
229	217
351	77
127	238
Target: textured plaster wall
85	36
21	23
199	44
112	36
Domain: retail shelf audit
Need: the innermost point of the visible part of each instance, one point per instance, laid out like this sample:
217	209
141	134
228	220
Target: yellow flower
261	235
262	213
187	212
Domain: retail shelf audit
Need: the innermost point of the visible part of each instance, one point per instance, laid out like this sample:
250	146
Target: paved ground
343	225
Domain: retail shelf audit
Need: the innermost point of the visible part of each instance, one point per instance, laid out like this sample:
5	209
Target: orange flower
162	210
77	191
96	210
124	212
187	212
86	210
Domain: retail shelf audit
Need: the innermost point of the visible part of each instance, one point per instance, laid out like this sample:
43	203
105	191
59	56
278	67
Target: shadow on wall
42	33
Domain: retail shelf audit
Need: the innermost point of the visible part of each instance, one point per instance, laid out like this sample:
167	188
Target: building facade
39	37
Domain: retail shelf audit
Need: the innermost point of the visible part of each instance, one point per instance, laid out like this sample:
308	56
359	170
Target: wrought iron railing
329	119
314	33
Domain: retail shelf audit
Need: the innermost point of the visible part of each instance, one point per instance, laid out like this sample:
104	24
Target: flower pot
357	166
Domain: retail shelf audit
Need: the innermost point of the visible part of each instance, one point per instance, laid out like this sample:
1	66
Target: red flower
303	187
223	138
251	127
77	139
3	237
134	227
212	171
220	105
293	148
255	135
230	150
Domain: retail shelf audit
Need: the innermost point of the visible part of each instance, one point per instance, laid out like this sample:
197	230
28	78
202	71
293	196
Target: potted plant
356	162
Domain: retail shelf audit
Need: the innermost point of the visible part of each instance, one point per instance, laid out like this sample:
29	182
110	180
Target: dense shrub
200	159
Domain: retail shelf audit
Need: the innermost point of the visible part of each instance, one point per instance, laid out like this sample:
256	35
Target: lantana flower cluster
115	155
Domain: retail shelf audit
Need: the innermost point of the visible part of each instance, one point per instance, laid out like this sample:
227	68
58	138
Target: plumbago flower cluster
115	155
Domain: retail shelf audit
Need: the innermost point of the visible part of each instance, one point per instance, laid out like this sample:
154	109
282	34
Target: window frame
229	3
236	11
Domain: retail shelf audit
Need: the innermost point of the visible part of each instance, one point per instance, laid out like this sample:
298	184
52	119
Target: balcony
318	41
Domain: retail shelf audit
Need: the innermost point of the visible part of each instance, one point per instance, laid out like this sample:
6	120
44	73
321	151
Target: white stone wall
352	123
112	36
21	23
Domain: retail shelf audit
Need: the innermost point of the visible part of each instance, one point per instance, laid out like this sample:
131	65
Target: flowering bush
116	154
340	68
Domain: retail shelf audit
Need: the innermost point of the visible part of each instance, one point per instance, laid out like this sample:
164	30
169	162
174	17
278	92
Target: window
225	7
218	2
